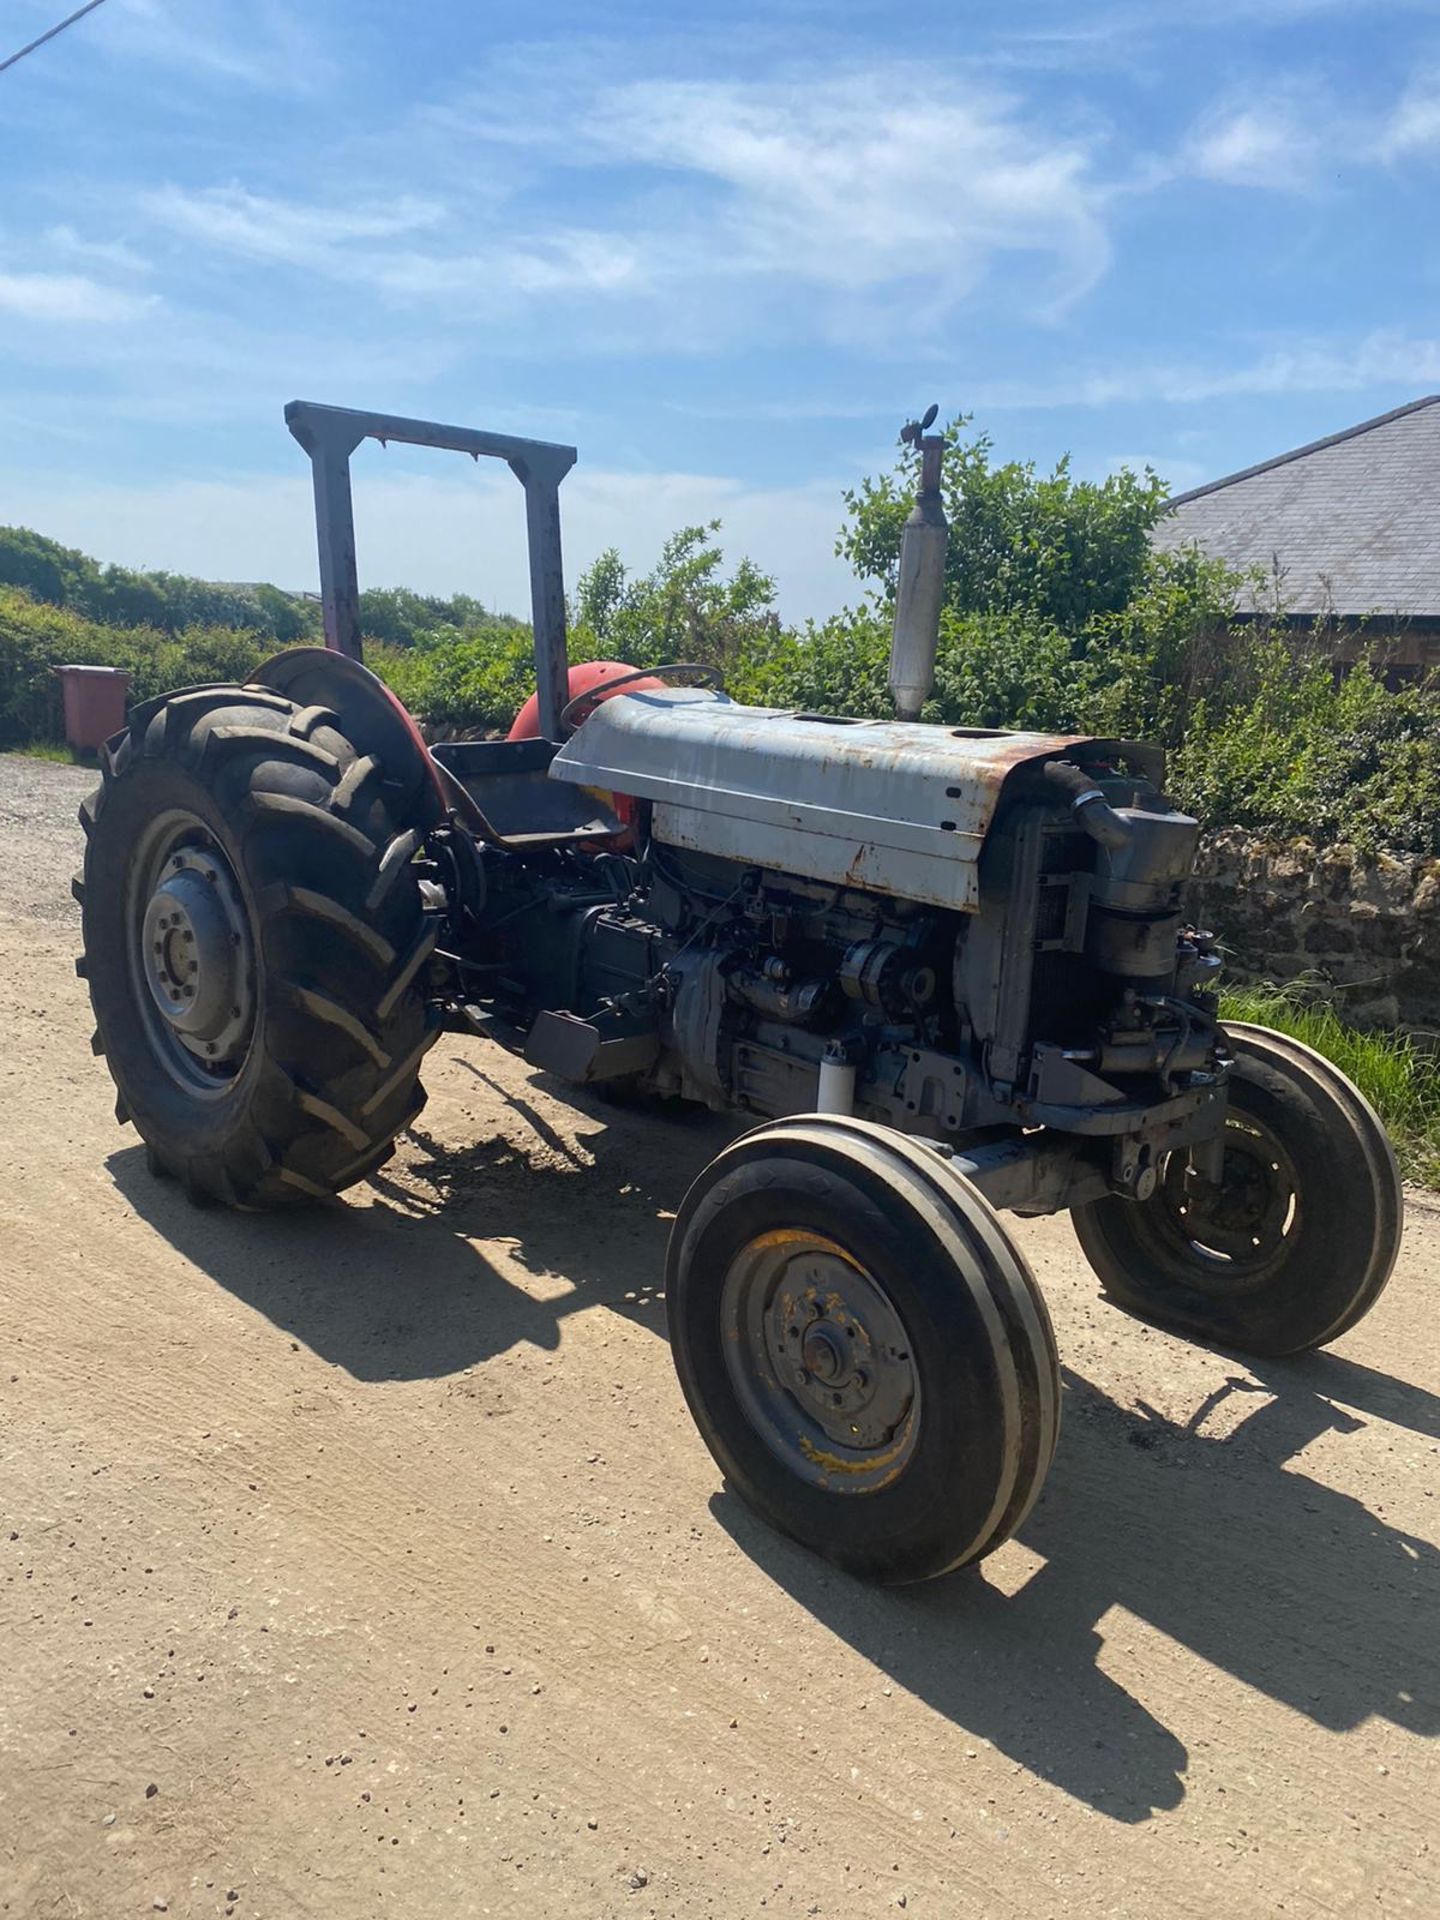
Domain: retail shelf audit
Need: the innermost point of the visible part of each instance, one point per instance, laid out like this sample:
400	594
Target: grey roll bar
329	435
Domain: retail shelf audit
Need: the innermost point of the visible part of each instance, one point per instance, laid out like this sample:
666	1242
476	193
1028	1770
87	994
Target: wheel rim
820	1360
191	955
1231	1236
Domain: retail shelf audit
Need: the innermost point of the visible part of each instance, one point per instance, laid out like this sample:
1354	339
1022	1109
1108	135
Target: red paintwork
587	674
583	677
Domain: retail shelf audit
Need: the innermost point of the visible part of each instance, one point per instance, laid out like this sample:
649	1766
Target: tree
684	609
126	597
406	619
1053	547
41	566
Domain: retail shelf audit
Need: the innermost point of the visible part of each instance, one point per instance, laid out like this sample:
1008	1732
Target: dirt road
367	1563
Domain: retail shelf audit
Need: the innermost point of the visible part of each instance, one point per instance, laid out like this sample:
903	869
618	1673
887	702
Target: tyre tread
357	1026
871	1170
1107	1232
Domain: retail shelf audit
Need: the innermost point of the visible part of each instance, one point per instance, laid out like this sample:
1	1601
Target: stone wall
1372	927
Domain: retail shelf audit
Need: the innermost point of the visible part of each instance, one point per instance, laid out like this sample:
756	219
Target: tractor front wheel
255	946
1297	1239
862	1346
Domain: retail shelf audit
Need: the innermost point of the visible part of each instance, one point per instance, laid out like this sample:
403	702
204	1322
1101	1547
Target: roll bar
329	435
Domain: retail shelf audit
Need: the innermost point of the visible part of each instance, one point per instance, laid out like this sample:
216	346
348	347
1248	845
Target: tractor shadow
1298	1591
389	1284
1295	1589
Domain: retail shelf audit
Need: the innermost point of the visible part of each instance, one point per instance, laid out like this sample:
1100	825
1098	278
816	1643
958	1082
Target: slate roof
1354	520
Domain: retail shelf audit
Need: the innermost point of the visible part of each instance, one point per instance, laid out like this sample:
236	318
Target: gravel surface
38	802
364	1562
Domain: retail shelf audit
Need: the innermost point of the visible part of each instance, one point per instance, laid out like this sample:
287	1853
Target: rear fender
371	718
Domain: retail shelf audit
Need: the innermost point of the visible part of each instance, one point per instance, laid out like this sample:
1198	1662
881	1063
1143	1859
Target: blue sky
723	250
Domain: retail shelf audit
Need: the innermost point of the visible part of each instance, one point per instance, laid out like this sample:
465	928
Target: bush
475	681
1398	1078
1053	548
839	666
171	602
1304	751
34	638
684	609
1059	617
404	619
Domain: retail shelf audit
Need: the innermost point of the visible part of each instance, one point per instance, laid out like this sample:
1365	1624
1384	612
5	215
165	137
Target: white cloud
1380	359
865	179
353	241
1414	126
1285	137
66	297
263	44
290	232
832	204
439	533
1268	144
64	243
555	261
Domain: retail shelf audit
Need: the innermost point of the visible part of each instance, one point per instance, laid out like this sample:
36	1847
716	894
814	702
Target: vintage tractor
947	969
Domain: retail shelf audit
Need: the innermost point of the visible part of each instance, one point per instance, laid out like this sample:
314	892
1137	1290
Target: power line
69	21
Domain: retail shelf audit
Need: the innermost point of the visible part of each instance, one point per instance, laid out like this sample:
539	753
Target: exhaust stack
921	588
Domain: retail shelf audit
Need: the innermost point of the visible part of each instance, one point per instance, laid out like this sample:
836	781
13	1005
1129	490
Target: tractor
946	972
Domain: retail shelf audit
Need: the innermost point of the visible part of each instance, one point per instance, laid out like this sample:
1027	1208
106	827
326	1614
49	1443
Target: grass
1400	1079
53	750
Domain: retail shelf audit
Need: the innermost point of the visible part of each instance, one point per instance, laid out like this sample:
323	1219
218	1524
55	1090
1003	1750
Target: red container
94	704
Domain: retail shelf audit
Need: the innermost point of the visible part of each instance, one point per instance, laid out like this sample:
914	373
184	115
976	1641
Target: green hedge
1260	730
466	680
35	637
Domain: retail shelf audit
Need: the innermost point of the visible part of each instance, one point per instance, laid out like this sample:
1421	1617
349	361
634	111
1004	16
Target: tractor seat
503	790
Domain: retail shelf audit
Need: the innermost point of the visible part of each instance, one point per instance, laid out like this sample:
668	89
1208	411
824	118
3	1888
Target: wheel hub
1241	1223
194	952
821	1359
822	1353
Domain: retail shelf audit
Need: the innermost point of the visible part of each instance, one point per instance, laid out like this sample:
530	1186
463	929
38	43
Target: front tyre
1296	1242
862	1346
255	946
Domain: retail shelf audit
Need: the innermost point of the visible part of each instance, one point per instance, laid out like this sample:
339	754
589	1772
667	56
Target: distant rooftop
1352	521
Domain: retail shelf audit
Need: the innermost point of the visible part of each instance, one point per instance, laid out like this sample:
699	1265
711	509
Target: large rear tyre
862	1346
255	946
1297	1241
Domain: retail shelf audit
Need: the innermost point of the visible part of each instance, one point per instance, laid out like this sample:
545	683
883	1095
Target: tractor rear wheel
255	946
1294	1244
862	1346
